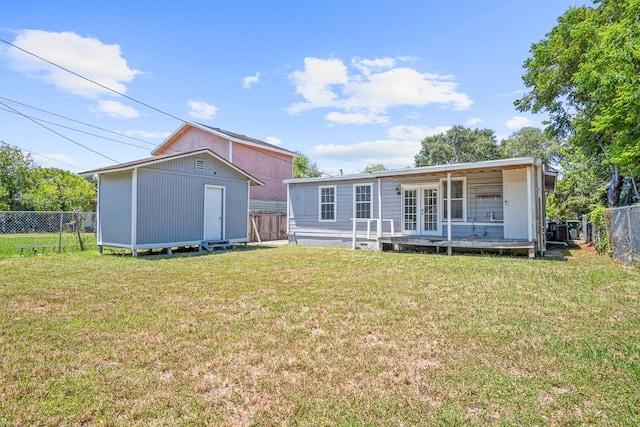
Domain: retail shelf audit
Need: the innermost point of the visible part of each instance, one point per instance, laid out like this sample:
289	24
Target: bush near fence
618	234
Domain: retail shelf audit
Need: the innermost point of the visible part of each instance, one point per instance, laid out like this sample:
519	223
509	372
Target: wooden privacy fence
267	226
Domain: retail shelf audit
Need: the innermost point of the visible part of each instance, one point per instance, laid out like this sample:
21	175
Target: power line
41	155
92	81
58	133
76	130
77	121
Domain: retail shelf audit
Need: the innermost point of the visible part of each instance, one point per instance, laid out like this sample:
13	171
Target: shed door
515	204
213	213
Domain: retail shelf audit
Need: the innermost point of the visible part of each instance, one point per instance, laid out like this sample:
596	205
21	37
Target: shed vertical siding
171	201
114	207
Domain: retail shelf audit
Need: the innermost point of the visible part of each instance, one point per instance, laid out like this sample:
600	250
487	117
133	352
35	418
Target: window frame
463	199
369	202
334	203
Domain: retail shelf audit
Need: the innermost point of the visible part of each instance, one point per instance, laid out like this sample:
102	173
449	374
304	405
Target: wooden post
255	228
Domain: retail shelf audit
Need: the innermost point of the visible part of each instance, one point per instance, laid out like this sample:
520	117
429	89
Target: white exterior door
420	210
213	213
515	204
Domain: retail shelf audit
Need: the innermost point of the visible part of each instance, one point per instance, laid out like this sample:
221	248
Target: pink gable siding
268	166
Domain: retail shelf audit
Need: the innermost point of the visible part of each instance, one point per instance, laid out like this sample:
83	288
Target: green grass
318	336
8	242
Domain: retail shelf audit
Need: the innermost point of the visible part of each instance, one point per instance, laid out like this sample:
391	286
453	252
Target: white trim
335	203
366	184
449	180
224	210
379	231
230	151
529	206
98	223
289	212
449	206
134	208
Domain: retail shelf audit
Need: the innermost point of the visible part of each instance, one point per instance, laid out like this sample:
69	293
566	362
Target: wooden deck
437	242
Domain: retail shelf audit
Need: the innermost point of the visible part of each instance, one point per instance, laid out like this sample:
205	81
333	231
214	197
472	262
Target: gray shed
175	200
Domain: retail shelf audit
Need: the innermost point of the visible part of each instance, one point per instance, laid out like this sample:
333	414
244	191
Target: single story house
174	200
267	162
489	205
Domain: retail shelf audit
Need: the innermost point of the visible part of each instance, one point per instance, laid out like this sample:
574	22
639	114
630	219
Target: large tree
459	144
586	75
16	177
305	168
57	189
531	142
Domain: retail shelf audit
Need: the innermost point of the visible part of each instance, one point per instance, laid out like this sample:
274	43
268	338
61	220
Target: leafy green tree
530	142
458	145
374	168
16	177
585	75
57	189
305	168
581	188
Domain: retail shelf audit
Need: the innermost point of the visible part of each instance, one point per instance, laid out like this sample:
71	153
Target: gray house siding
171	202
484	208
115	208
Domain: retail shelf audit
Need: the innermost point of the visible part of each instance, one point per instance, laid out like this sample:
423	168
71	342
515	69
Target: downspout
134	211
230	151
98	224
288	209
379	225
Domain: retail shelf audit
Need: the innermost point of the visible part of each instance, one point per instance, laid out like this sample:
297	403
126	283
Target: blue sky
349	83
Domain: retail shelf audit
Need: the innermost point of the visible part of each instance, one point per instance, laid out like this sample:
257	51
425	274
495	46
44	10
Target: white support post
134	211
353	241
449	206
379	224
529	206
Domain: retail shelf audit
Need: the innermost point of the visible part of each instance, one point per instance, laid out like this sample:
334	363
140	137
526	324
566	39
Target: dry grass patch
318	336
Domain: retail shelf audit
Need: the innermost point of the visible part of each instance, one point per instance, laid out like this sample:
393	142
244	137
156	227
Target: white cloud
315	82
356	118
116	109
54	160
474	121
415	133
86	56
518	122
146	134
370	88
249	81
391	153
202	110
273	140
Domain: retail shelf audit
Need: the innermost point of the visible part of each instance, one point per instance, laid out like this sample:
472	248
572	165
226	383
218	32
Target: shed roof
430	170
235	137
166	157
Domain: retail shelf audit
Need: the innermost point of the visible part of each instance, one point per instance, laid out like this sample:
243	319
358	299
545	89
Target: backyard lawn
294	335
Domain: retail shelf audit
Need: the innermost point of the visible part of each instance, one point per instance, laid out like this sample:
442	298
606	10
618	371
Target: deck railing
379	225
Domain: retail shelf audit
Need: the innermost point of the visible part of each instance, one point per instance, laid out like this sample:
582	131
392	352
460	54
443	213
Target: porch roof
488	165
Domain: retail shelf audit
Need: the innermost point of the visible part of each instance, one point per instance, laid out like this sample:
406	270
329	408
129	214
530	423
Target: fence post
60	233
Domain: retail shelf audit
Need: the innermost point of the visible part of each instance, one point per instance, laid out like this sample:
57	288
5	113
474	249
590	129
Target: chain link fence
37	231
625	234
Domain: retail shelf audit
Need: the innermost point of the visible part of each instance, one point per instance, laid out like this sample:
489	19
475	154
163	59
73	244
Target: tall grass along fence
52	230
616	232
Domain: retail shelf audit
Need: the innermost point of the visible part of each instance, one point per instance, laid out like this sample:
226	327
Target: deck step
212	245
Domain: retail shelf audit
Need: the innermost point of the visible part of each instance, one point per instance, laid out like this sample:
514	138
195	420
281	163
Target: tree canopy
458	145
586	75
27	186
305	168
531	142
374	168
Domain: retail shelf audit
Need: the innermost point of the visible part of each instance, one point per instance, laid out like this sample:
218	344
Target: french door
420	210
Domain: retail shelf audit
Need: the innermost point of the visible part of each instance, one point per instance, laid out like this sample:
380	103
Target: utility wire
41	155
57	133
76	130
77	121
92	81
